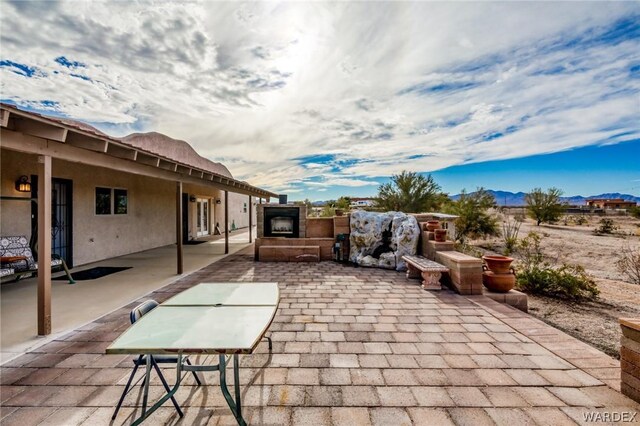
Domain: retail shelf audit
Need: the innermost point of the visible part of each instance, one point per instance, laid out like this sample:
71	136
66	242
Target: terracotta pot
339	212
432	225
498	264
440	235
499	283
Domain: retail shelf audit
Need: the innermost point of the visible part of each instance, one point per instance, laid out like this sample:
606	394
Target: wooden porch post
179	227
44	245
226	222
250	219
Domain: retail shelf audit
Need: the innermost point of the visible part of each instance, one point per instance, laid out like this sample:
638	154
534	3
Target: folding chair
135	315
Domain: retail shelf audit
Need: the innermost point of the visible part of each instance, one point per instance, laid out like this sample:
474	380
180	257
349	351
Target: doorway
61	217
202	217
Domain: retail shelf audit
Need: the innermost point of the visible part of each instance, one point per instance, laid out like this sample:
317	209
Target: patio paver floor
352	346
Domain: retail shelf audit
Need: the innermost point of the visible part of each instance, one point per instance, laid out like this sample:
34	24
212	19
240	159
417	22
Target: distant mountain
506	198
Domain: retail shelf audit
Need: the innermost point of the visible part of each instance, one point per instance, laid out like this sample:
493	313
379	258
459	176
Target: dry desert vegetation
595	322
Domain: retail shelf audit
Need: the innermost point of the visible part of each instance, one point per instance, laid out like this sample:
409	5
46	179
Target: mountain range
506	198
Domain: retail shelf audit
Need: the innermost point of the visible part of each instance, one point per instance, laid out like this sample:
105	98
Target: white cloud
380	87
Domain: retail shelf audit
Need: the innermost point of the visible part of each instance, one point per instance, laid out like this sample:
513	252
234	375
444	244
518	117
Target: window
120	201
103	200
111	201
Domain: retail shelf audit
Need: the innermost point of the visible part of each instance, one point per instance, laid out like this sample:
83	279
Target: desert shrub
474	219
538	276
566	282
629	264
510	230
581	220
634	211
606	227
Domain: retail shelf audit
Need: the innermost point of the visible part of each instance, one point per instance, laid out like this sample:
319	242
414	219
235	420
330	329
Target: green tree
544	206
343	203
474	219
410	192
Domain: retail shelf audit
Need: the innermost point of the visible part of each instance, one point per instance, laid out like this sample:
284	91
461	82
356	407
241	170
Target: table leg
146	413
234	406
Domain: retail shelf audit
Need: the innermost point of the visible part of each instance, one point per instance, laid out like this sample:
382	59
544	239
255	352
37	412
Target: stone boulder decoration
381	239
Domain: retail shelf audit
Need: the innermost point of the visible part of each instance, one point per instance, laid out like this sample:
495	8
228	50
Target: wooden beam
81	141
147	159
121	152
4	118
179	235
226	222
250	219
41	130
44	245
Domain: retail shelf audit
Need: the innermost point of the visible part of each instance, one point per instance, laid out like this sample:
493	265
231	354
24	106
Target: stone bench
289	253
429	270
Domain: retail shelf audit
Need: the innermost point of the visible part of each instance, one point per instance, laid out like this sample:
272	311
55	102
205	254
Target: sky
323	99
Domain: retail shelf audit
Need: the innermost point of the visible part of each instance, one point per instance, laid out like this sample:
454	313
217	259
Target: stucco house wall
149	222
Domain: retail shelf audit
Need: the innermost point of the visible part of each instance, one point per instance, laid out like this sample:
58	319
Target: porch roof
79	142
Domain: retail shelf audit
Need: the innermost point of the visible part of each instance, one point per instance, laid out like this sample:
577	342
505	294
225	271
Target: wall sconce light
23	184
192	198
218	201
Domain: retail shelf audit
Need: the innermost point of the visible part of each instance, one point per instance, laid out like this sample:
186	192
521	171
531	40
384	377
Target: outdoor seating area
17	259
350	346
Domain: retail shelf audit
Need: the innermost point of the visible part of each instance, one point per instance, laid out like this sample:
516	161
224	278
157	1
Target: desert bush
581	220
474	219
606	227
635	212
629	263
566	282
510	230
538	276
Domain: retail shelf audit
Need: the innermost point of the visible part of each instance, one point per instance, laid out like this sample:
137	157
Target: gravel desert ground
595	322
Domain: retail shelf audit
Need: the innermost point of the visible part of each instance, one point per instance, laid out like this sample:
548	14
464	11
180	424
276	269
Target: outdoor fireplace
281	222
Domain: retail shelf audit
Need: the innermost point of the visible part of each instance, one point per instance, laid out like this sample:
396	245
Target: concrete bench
429	270
289	253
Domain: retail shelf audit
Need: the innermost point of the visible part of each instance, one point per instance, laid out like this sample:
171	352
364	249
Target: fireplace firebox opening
281	222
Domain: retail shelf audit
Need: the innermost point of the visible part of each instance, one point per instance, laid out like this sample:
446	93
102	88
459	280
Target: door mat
93	273
194	242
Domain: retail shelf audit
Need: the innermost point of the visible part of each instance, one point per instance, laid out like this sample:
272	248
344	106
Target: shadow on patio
75	305
352	346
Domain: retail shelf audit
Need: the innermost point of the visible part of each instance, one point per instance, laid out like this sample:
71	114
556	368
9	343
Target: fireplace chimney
282	198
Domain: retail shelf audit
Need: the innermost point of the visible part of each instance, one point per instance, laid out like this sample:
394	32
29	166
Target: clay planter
432	225
499	283
498	264
440	235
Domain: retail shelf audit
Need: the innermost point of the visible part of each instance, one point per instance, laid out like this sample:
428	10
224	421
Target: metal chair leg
194	373
166	386
126	388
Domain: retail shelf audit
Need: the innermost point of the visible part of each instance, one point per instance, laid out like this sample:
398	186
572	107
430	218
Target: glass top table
220	318
207	318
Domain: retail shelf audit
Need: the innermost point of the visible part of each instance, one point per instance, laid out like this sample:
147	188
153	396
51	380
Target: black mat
194	242
93	273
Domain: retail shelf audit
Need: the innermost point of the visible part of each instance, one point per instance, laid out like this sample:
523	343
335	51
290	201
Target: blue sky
313	100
